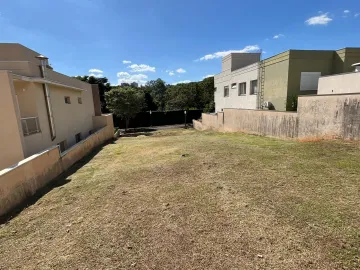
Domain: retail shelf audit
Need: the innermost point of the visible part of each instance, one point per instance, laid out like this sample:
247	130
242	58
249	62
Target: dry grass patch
182	199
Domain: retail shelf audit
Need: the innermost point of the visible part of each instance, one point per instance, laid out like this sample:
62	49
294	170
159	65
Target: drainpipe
43	65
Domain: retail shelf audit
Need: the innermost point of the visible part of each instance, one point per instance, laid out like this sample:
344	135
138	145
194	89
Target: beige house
245	82
40	107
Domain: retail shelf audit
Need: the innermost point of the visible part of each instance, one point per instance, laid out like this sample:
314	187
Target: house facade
280	79
40	107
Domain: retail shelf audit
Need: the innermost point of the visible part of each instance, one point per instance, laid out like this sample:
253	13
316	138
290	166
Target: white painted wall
226	78
339	84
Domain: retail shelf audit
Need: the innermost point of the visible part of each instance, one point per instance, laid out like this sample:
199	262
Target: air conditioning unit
267	104
357	67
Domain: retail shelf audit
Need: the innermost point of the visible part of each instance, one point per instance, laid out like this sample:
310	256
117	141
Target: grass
182	199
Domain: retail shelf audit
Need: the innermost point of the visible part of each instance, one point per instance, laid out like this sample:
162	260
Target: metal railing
30	125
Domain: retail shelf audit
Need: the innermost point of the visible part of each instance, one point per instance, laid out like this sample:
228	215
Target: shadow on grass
135	132
59	181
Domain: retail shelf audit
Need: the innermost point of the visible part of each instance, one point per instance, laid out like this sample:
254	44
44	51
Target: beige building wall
69	119
234	100
339	84
29	175
11	141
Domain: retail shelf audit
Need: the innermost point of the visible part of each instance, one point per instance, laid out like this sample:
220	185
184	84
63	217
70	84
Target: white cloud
186	81
141	68
95	70
180	70
247	49
208	76
278	36
357	15
170	72
124	77
126	62
96	75
346	11
322	19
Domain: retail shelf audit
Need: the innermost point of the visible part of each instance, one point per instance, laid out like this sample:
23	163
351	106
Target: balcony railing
30	125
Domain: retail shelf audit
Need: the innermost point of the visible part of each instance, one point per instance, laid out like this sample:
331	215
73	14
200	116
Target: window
226	91
233	86
309	81
79	100
67	100
253	87
78	137
62	146
242	89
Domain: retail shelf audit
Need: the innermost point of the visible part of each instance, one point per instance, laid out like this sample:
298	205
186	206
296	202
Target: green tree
125	102
157	90
207	91
104	86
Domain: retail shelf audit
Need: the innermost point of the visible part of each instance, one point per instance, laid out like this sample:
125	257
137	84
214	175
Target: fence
145	119
318	117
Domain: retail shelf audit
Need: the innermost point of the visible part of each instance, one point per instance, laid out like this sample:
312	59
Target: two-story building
40	107
276	82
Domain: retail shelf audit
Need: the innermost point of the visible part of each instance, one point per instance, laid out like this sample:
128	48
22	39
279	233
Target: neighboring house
345	83
279	80
39	107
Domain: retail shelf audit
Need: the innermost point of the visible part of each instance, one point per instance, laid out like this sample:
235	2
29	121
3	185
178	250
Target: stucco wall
69	119
223	79
11	140
332	116
197	124
29	175
307	61
213	121
269	123
340	84
276	80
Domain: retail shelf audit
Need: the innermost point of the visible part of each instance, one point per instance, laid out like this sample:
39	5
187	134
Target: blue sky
174	40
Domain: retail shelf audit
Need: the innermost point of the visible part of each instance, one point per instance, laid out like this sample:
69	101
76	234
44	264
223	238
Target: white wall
339	84
227	78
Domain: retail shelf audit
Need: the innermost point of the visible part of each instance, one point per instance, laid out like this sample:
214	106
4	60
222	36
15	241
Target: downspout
43	60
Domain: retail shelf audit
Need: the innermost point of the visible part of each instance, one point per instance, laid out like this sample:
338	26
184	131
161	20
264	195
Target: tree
125	102
157	90
104	86
207	90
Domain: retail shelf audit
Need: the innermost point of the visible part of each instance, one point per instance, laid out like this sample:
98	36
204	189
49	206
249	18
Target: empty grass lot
183	199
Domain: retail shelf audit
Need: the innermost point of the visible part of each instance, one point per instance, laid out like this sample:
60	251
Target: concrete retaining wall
330	116
268	123
318	117
22	180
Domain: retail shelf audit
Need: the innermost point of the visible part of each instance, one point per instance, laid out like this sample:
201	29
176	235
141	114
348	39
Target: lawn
183	199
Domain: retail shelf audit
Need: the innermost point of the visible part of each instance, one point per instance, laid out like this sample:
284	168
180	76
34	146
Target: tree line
126	100
159	96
